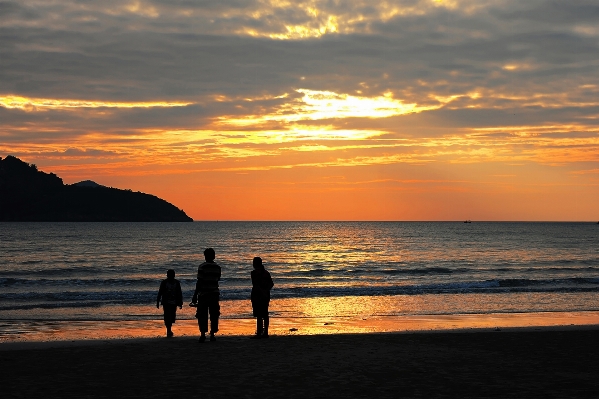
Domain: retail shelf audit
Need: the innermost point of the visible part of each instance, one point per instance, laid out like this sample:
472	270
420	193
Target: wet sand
42	331
517	363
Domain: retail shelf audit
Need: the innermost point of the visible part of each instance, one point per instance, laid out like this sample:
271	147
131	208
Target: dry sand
517	363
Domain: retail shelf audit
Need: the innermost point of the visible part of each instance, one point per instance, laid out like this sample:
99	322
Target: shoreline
29	332
99	342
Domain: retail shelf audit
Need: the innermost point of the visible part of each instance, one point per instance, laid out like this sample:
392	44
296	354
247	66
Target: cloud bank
151	88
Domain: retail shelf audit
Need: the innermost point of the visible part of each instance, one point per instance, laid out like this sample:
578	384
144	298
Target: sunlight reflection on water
110	272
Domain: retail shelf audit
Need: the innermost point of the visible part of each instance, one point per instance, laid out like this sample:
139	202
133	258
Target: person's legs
266	323
214	307
259	326
260	309
169	318
202	315
264	312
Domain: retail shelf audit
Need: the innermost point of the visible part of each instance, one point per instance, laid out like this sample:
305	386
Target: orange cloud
42	104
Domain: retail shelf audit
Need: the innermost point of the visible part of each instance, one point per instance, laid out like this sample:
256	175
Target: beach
358	310
514	362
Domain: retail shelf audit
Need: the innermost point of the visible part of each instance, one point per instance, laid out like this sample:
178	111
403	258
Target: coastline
519	362
23	333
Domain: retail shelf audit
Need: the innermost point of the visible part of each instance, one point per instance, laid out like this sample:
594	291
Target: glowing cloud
320	18
320	105
293	133
42	104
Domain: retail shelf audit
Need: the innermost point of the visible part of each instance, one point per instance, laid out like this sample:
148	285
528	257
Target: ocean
110	272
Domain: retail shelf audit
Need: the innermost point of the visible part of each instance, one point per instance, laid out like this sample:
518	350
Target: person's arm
179	295
194	299
270	283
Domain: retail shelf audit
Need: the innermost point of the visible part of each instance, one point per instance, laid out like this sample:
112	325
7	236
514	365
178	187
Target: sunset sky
312	110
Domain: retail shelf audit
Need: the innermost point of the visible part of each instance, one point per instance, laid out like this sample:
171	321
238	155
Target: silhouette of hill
27	194
87	183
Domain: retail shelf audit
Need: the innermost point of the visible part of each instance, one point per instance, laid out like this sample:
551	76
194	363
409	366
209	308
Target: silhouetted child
261	285
171	295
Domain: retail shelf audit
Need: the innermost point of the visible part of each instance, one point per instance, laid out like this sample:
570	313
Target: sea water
53	272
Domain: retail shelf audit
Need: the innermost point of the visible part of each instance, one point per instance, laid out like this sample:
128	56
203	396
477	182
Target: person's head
170	274
209	254
258	263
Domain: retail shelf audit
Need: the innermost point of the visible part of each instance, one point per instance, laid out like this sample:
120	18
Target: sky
312	110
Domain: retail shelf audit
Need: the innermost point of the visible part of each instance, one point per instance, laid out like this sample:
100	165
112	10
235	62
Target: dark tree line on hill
27	194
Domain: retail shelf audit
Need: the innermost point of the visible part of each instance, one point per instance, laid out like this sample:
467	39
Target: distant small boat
467	221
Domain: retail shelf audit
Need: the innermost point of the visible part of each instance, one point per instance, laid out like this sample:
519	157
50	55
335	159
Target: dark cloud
10	10
132	58
555	12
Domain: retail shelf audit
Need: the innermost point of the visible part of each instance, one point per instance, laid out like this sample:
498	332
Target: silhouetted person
171	295
207	295
261	285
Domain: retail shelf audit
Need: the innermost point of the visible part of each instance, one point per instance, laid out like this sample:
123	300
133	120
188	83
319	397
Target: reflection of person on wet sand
171	295
261	285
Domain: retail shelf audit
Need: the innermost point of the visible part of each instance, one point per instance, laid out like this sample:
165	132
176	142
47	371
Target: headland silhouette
27	194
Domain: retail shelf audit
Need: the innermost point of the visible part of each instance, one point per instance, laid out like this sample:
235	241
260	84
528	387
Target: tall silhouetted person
207	295
171	296
261	285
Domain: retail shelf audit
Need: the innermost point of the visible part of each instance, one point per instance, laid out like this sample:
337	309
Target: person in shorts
171	296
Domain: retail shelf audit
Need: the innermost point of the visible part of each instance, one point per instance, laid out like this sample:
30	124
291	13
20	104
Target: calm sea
111	271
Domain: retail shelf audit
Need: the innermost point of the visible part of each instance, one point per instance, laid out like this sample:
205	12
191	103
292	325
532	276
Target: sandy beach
523	363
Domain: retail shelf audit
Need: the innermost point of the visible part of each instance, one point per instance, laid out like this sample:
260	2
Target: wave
514	283
84	267
375	270
423	271
314	272
130	295
17	283
32	262
55	272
